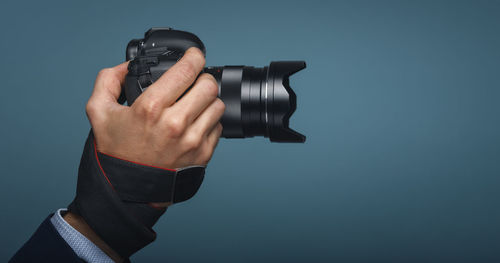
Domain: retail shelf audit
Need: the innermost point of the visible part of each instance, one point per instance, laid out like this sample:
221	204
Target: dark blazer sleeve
46	245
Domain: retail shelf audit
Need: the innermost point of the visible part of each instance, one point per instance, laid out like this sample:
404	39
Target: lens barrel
259	101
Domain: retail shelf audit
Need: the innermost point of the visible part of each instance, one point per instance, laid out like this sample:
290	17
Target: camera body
152	56
259	101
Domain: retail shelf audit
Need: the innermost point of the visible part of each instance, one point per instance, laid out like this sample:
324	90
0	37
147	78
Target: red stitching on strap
167	169
99	163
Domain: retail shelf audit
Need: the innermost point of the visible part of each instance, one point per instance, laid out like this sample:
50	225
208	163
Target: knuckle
149	110
175	126
192	142
91	108
174	131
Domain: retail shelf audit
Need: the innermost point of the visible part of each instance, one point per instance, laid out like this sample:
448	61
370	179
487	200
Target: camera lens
259	101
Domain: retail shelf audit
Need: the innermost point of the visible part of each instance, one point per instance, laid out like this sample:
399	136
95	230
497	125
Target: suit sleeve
46	245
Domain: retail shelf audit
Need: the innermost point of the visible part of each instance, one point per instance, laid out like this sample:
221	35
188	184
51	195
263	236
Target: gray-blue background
400	103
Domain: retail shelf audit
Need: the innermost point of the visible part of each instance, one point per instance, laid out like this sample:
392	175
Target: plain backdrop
400	103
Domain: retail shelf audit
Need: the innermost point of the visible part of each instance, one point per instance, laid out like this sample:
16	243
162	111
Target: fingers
214	136
172	84
209	118
212	141
197	99
201	136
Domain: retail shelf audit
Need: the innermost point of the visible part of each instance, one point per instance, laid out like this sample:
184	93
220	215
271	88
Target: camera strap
114	196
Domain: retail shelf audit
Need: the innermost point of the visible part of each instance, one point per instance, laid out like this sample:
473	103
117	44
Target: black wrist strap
114	196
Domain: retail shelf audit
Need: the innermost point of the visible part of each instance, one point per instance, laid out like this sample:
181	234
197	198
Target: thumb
108	84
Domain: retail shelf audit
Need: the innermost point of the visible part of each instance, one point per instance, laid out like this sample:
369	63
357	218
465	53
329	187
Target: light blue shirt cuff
83	247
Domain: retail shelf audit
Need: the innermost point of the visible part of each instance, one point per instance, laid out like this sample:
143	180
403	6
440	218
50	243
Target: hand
157	130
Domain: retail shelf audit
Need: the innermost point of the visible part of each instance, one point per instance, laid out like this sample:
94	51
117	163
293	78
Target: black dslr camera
259	101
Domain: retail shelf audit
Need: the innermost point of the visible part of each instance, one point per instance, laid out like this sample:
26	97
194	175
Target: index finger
172	84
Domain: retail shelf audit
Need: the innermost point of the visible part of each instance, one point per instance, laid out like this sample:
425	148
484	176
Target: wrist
120	201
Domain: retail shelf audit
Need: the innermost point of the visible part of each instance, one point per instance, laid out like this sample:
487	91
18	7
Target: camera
259	101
